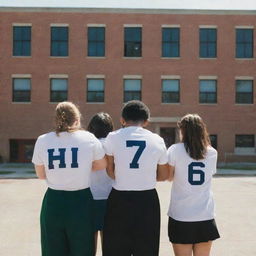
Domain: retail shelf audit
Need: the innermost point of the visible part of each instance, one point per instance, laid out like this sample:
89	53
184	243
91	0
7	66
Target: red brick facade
28	120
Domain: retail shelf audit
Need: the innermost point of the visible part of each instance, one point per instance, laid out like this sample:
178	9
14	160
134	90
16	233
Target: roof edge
127	10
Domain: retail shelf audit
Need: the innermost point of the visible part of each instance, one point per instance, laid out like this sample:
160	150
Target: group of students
104	180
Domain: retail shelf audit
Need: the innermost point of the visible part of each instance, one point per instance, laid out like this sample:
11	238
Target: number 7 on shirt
138	143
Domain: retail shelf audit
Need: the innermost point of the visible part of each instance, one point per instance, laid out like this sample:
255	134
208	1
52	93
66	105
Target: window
59	41
170	91
95	90
214	140
132	89
21	90
208	43
170	42
208	91
132	42
244	91
21	151
244	43
59	90
21	41
96	41
245	141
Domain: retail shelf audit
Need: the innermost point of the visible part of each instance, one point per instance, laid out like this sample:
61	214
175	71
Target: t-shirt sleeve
98	150
37	158
214	162
163	157
108	145
171	155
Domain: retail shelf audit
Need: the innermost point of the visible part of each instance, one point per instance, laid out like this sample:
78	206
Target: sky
145	4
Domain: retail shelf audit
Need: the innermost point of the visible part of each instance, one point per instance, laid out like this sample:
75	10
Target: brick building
176	61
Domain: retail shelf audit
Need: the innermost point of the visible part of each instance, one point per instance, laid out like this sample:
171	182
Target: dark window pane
59	41
208	43
244	91
95	90
170	42
132	42
245	141
22	41
214	140
14	150
132	95
244	43
96	41
59	90
58	96
170	91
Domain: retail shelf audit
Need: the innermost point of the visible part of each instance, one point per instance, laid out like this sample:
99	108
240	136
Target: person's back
137	152
136	160
191	195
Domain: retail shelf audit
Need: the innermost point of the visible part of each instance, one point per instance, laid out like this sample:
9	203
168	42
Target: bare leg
182	249
95	241
202	249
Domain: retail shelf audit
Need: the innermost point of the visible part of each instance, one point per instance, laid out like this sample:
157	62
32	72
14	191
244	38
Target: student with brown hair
100	125
65	158
192	163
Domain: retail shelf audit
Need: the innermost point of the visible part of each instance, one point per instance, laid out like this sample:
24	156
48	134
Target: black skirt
181	232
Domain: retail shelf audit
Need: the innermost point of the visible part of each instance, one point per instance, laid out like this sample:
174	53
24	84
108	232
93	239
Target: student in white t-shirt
100	125
137	158
65	159
192	162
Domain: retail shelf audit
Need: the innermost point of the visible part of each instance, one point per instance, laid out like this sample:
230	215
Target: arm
110	167
100	164
40	172
171	172
162	172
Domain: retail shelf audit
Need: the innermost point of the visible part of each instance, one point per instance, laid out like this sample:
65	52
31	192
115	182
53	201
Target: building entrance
169	135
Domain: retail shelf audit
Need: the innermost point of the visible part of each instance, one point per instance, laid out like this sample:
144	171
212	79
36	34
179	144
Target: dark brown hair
194	135
101	125
66	114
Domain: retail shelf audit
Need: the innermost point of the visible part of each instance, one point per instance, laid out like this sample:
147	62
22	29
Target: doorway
169	135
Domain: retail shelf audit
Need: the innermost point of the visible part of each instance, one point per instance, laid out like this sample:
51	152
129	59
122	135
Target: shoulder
46	136
115	133
154	136
176	147
212	152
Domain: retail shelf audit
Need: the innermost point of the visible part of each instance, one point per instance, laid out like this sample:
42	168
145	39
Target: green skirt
67	223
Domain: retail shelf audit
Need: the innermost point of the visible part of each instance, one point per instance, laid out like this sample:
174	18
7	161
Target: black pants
132	224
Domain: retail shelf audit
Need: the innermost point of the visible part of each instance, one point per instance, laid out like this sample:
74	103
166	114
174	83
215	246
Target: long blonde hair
66	115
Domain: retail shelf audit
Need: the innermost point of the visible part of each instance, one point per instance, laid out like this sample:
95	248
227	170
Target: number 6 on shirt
139	143
192	172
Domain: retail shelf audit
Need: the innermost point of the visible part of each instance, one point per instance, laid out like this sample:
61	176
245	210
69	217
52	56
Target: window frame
132	92
59	41
88	92
170	92
18	91
171	42
133	42
208	42
216	91
239	93
244	43
51	91
96	41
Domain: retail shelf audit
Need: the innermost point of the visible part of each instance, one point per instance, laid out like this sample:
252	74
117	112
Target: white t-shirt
136	152
101	183
67	158
191	196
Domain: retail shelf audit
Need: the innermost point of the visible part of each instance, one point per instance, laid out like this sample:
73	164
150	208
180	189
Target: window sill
132	58
91	103
244	104
59	57
170	58
208	104
95	57
244	58
164	103
26	103
19	57
207	58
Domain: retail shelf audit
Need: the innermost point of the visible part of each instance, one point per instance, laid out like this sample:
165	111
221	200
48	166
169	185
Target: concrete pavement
20	202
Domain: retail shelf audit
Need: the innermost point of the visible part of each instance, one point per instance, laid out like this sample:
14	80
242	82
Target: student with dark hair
136	160
65	158
192	163
100	125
